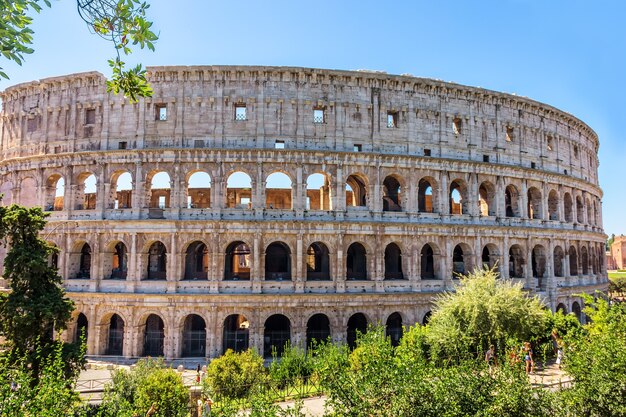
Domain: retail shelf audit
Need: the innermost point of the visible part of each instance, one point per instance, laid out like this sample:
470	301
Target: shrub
164	389
234	375
295	364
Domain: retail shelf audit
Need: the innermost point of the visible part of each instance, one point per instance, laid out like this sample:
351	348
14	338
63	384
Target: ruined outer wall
70	127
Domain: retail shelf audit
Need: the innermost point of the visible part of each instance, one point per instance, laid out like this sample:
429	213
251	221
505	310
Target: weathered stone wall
525	173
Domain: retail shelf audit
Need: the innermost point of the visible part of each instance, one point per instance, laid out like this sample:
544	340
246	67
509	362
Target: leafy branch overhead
122	22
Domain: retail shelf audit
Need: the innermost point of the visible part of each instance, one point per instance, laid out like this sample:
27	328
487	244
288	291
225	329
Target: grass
617	275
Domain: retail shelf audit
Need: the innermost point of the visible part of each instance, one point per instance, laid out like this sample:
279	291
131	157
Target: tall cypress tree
36	306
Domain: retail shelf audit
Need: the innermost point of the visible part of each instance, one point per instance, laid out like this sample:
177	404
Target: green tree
609	241
36	306
234	375
483	310
122	22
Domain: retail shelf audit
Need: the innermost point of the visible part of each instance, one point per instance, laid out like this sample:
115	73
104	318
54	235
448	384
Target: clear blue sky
569	54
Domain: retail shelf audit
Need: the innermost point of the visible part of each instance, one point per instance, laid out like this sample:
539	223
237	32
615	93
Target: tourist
528	358
490	357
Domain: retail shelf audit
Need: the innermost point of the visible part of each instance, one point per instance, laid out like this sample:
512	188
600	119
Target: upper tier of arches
296	108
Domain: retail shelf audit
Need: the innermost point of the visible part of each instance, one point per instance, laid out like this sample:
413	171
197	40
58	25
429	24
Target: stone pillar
444	196
340	268
298	273
524	214
256	265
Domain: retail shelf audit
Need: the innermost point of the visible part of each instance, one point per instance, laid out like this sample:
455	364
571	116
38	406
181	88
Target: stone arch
159	189
276	335
122	190
558	261
86	191
516	262
356	262
394	328
153	336
584	260
535	203
562	308
577	311
55	193
393	262
28	192
580	210
115	326
512	201
426	195
486	198
357	324
277	261
458	197
157	262
319	192
428	262
392	193
198	190
80	261
278	191
317	329
194	336
568	208
553	205
490	257
461	260
236	333
237	261
239	190
573	261
196	261
6	189
317	262
115	260
538	261
426	318
356	191
81	328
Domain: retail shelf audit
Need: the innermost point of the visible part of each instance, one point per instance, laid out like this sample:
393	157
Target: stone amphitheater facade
390	184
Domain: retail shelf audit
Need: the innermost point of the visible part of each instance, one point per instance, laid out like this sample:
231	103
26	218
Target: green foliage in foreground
483	311
132	392
234	375
617	284
293	365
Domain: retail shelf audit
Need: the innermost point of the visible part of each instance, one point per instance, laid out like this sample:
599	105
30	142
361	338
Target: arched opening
580	211
577	311
277	262
357	324
427	258
160	190
561	308
394	329
278	191
516	262
84	266
317	262
356	262
123	186
199	190
489	257
553	205
82	326
534	203
458	202
194	336
425	203
85	198
154	336
558	261
393	262
317	329
568	208
426	318
237	261
486	195
458	262
356	192
392	194
239	191
511	201
55	193
115	341
157	261
236	335
276	335
584	260
196	261
119	261
538	261
573	261
318	192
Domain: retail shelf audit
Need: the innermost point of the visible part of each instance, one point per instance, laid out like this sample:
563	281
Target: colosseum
248	206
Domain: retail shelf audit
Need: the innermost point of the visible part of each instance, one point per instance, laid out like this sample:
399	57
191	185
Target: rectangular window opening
550	143
485	158
122	145
90	117
279	144
161	201
392	119
426	152
318	116
457	125
240	112
533	165
198	143
509	134
31	125
161	112
357	147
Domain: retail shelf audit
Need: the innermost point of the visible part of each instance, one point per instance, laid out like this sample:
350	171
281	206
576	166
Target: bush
234	375
164	389
617	285
295	364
